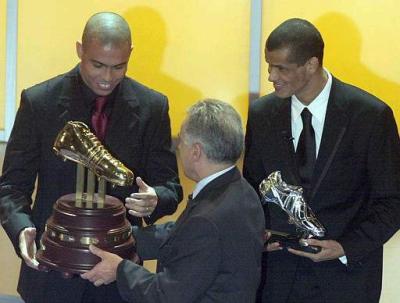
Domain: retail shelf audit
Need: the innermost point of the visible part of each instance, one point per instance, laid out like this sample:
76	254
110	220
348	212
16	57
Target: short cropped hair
300	37
217	126
108	28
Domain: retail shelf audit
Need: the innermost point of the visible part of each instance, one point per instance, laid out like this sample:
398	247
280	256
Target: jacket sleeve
20	168
252	164
190	260
383	170
149	239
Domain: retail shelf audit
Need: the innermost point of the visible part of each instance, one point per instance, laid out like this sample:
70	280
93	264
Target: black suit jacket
138	134
211	254
356	188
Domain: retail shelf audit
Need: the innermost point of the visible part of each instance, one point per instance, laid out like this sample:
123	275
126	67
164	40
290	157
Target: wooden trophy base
74	225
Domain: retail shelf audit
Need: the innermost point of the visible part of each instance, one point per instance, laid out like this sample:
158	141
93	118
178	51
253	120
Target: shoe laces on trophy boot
77	143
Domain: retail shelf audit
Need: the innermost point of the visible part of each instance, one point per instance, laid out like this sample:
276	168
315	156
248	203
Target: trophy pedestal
74	225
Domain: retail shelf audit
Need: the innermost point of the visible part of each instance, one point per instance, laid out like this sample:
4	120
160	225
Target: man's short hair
217	126
300	37
108	28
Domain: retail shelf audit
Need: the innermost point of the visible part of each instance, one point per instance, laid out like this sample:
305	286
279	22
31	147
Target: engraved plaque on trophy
291	200
88	216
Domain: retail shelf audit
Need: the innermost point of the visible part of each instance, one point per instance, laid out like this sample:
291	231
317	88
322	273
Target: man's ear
312	65
197	151
79	49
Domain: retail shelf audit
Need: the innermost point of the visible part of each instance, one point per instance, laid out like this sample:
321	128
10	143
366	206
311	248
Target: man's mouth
278	85
105	86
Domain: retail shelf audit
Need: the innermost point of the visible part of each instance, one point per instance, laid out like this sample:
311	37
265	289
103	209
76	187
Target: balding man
213	251
137	133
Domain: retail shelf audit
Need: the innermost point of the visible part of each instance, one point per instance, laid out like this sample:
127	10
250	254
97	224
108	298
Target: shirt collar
203	182
318	106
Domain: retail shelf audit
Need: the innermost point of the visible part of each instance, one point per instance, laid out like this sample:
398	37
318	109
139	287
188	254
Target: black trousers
305	286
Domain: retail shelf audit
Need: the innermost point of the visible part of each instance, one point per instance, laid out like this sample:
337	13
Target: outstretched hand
105	271
330	250
142	203
27	247
273	246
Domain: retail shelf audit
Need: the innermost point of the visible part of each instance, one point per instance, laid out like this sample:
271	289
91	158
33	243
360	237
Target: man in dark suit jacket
213	252
354	185
138	134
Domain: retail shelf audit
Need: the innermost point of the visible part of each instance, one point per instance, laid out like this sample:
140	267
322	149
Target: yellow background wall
185	49
191	49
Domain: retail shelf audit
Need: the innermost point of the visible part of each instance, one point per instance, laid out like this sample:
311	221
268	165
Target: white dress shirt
318	110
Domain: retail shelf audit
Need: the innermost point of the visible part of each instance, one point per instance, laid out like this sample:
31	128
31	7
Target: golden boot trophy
85	217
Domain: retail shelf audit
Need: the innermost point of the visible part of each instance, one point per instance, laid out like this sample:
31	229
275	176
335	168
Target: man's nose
107	75
273	75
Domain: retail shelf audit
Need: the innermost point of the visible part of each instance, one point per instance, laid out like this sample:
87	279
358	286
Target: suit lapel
335	125
125	116
281	125
202	198
71	106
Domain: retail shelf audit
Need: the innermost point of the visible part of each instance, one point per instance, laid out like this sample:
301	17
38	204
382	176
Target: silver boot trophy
291	200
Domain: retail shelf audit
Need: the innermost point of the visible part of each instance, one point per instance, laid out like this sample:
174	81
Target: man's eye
97	65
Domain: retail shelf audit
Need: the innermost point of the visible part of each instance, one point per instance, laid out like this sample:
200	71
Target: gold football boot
77	143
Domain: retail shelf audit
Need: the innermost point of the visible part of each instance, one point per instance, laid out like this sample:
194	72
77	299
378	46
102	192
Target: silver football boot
290	199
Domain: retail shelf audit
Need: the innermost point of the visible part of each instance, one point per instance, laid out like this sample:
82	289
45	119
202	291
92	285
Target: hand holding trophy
291	200
85	217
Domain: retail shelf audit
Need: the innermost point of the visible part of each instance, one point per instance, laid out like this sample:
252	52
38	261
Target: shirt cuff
343	259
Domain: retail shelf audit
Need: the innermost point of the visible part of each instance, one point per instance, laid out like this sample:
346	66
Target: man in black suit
213	252
137	133
347	160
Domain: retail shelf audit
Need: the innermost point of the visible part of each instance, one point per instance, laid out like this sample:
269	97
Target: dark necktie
99	117
306	150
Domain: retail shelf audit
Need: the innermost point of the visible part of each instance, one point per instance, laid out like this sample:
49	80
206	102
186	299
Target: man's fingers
141	200
27	247
139	214
267	235
98	283
273	246
97	251
141	184
315	242
31	262
138	208
140	197
90	275
300	253
34	263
